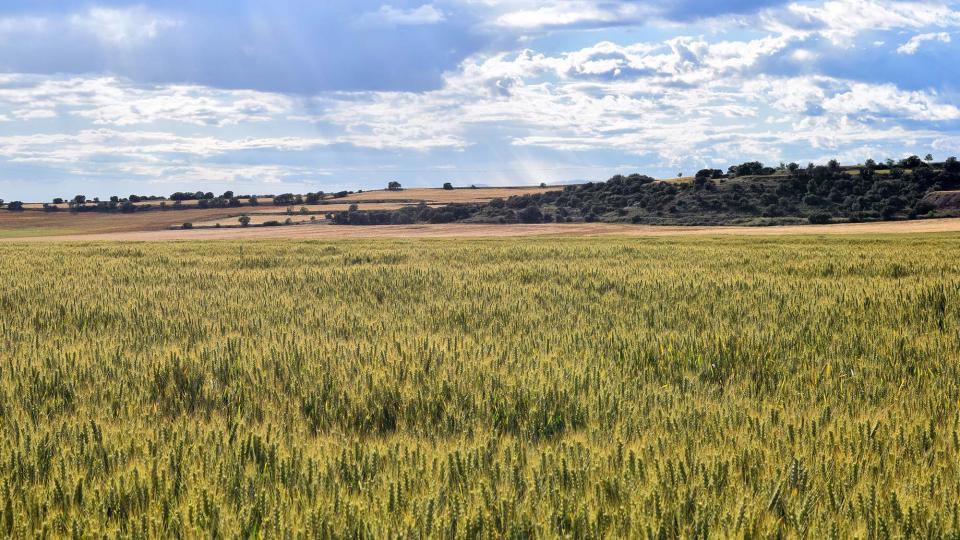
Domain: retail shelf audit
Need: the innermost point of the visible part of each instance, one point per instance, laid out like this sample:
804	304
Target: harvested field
22	224
334	207
327	231
444	196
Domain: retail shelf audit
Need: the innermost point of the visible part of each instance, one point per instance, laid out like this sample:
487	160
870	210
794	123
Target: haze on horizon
118	97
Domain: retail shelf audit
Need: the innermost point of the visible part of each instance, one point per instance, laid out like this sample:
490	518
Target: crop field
481	388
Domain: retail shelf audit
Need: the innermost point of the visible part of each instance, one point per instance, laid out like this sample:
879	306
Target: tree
80	199
952	165
543	184
447	186
187	225
15	206
747	169
911	162
394	186
57	200
928	158
227	195
244	221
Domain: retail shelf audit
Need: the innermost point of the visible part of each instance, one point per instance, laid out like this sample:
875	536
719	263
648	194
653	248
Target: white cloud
702	98
567	13
887	101
425	14
912	46
843	20
112	101
122	27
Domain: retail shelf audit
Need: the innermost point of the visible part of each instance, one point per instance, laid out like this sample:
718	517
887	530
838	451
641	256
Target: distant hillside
748	194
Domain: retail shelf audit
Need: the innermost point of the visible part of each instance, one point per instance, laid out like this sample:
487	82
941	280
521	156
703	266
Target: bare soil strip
326	231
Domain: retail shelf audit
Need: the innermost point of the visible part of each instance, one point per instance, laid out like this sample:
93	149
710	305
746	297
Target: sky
116	97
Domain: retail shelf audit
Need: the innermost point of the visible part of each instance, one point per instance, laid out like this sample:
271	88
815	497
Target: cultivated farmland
563	387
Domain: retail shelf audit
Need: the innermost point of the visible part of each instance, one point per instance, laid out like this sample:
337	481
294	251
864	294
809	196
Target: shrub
819	218
187	225
530	214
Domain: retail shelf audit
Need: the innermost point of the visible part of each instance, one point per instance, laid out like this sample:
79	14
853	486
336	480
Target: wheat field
453	388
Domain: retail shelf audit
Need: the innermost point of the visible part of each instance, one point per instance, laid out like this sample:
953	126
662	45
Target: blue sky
119	97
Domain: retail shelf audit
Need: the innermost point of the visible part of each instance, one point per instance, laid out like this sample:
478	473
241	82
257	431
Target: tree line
748	193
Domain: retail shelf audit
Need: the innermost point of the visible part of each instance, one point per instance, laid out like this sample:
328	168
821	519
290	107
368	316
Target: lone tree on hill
394	186
448	186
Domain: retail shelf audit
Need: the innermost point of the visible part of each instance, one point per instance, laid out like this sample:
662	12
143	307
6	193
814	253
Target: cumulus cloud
488	82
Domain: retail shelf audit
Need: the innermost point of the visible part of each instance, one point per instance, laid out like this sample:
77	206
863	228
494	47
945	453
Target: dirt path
324	231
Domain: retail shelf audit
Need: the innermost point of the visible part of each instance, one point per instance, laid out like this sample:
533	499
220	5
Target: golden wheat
656	388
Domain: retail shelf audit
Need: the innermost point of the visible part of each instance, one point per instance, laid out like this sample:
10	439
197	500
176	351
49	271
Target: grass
603	387
30	232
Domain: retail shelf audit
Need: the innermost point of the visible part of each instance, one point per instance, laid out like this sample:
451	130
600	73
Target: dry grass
945	200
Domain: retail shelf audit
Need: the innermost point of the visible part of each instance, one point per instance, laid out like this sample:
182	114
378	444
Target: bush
244	221
819	218
813	200
15	206
187	225
530	214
